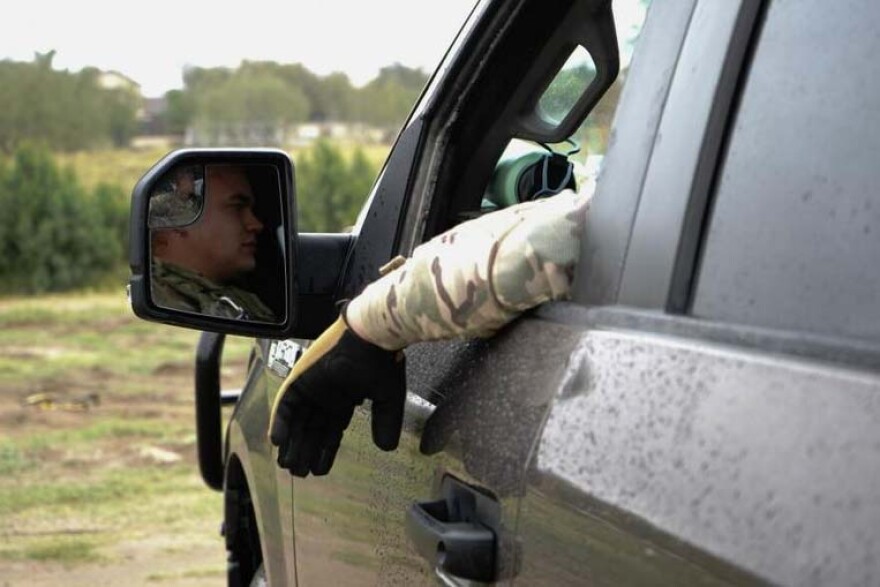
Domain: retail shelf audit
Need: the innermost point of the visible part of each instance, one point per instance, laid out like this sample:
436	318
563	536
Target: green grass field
98	479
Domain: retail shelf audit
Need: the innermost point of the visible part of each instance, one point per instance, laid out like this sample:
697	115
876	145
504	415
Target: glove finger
289	445
310	443
324	457
387	421
285	454
332	438
281	422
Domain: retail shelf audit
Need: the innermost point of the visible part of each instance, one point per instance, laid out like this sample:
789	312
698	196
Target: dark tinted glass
793	240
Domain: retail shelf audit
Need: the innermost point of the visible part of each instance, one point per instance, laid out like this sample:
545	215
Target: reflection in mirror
216	242
178	197
569	84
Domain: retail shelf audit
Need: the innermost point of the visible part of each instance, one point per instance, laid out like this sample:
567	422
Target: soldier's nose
252	223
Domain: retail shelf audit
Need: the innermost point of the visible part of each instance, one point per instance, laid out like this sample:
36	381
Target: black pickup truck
704	410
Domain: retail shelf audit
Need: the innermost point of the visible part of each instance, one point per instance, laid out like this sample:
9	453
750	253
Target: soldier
197	256
469	281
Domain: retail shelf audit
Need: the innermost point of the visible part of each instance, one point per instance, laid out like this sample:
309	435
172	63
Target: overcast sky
151	42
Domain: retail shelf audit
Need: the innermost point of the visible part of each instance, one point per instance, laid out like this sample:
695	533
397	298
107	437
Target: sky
152	42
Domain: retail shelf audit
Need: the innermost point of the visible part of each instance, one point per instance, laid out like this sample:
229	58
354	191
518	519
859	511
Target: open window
539	121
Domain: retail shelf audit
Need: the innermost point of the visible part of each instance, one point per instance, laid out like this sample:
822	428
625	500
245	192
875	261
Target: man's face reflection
222	244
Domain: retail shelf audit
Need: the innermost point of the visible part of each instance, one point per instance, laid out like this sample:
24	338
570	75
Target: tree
217	101
362	174
111	206
58	108
334	99
248	108
179	111
330	189
120	108
54	235
388	99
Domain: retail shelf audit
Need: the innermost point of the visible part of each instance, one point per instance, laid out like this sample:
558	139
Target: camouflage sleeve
478	276
238	303
182	289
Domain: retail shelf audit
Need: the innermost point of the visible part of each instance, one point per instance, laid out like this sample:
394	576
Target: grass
66	550
88	510
12	459
75	484
85	491
124	502
110	428
194	573
114	166
54	338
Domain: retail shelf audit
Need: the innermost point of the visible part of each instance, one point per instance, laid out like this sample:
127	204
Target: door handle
449	533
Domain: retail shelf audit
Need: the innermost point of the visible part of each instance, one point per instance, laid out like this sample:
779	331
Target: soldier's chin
247	265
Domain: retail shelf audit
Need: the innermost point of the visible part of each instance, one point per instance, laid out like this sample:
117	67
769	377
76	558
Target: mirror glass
570	83
217	241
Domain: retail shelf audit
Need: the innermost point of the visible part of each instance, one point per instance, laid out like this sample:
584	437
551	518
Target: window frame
661	253
635	126
775	314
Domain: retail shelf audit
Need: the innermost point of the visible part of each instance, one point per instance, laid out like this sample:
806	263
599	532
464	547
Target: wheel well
243	551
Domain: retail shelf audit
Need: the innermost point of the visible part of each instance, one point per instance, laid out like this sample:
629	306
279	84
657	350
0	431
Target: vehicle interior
516	123
264	180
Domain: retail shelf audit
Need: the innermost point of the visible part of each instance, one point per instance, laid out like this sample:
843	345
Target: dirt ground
143	563
99	483
141	553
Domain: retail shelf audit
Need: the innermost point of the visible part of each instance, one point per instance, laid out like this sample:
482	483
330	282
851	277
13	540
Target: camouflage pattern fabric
181	289
169	209
178	198
478	276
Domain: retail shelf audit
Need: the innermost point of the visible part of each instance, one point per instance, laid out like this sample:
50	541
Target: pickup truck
704	410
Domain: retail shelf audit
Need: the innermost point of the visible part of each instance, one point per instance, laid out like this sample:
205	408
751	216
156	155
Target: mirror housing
246	271
588	26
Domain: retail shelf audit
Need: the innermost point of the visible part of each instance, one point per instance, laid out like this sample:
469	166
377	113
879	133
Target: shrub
54	235
330	189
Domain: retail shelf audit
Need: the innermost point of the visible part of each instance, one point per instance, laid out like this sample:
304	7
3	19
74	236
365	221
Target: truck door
721	422
444	504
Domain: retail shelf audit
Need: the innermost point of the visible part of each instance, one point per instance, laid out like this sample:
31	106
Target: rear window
793	239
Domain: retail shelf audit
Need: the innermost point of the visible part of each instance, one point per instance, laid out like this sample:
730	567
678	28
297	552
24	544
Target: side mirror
213	244
583	60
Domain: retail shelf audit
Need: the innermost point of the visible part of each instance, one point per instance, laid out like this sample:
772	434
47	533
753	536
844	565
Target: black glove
316	401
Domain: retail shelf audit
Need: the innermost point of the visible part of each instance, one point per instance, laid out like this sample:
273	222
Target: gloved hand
317	400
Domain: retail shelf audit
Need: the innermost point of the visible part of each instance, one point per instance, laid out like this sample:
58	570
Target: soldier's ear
160	240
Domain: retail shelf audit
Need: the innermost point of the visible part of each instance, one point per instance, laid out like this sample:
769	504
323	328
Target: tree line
72	111
56	235
277	95
68	111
